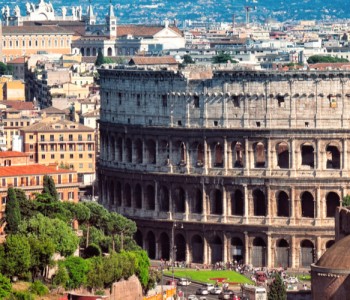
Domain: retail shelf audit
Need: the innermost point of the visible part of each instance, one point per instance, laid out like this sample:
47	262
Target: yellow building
11	89
68	144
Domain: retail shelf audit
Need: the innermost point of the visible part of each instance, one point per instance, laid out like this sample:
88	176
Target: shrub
21	296
92	250
5	286
38	288
61	277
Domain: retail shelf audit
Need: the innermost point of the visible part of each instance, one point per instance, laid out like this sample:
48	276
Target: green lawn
205	275
304	277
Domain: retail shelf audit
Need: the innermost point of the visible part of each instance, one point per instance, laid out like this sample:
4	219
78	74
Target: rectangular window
42	147
3	182
52	148
90	155
90	147
81	166
80	147
61	138
71	156
80	137
3	200
15	183
70	178
42	138
70	195
59	179
89	137
52	156
52	138
30	136
70	137
90	166
60	196
37	180
42	156
62	156
80	155
61	147
31	147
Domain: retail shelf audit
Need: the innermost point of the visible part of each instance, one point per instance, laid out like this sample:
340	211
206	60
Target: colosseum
224	164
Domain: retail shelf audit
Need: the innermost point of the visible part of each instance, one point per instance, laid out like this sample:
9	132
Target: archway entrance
197	249
151	245
216	249
237	250
180	248
164	242
307	253
259	252
282	254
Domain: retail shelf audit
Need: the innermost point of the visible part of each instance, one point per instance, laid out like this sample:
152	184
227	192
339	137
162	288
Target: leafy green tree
12	212
99	59
49	187
346	201
38	288
277	290
92	250
17	251
77	268
96	276
61	277
187	59
5	286
325	59
142	265
223	58
5	69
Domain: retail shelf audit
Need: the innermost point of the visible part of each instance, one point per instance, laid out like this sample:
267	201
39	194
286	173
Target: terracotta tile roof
30	170
18	60
6	154
142	30
19	105
345	65
153	60
77	27
19	30
50	126
53	110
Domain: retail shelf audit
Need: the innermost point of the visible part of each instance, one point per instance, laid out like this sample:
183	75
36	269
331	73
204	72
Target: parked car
208	286
171	282
202	291
228	296
215	291
192	297
184	281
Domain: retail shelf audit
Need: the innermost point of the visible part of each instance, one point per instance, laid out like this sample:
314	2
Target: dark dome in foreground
337	257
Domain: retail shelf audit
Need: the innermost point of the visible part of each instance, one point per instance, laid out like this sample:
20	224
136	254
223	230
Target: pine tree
277	290
12	212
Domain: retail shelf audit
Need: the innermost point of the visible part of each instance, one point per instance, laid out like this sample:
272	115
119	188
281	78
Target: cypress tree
12	212
46	185
277	289
100	59
52	189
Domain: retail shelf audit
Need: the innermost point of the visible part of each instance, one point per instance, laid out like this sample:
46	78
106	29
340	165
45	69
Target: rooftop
30	170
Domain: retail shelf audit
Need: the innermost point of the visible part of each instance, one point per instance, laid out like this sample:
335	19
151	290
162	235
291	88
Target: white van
254	292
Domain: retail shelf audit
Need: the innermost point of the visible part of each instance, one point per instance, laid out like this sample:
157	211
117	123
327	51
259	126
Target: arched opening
197	249
282	254
283	155
307	253
183	155
259	155
128	154
237	155
197	205
88	52
112	149
180	248
330	244
333	157
200	155
216	249
219	156
332	202
282	204
151	245
138	238
138	196
179	200
259	252
138	152
120	149
237	250
94	52
237	203
150	201
118	194
307	205
259	203
164	199
216	203
82	51
127	191
163	153
307	156
151	152
109	51
164	246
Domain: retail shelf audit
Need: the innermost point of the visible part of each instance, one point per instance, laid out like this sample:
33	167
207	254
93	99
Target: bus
253	292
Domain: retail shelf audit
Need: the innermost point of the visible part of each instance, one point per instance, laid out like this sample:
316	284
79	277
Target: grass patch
205	275
304	277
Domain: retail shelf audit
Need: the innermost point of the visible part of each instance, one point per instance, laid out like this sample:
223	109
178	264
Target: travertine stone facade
228	164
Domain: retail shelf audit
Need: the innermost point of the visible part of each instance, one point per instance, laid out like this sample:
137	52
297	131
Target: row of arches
195	250
214	154
215	201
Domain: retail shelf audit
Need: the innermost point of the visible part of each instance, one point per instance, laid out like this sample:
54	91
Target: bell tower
111	21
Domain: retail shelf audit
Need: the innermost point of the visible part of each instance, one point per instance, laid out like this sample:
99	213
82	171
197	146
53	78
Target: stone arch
88	52
118	194
163	153
237	249
128	150
94	52
151	152
127	195
330	243
283	204
282	254
216	248
138	238
307	155
307	205
332	202
120	149
259	203
138	196
164	199
307	253
237	155
180	247
282	151
150	201
218	155
150	244
333	157
164	246
183	154
109	51
259	155
216	203
237	203
179	200
197	203
200	155
112	149
138	151
82	51
259	252
197	247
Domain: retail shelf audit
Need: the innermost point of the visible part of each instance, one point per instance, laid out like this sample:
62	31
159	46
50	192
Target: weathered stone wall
127	289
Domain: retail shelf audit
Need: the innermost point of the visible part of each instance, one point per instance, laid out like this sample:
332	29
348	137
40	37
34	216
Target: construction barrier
168	294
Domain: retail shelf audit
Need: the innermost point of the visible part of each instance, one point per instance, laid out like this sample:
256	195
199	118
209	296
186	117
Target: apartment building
67	144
